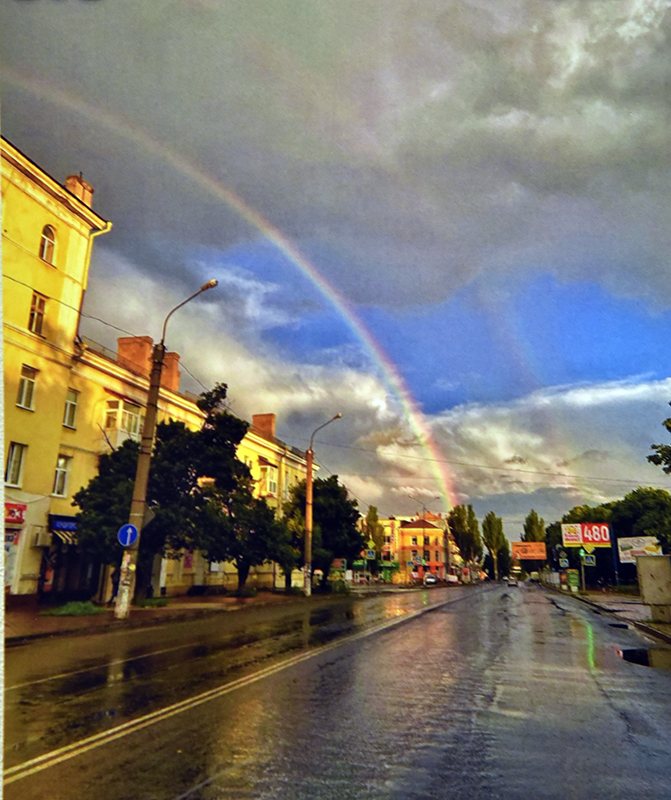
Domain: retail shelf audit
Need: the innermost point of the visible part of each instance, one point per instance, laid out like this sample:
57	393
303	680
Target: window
70	408
48	244
37	310
26	394
427	540
15	459
437	556
427	555
61	476
414	540
124	415
269	479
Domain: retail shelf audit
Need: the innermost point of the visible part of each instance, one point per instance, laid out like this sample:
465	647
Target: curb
641	626
148	622
181	616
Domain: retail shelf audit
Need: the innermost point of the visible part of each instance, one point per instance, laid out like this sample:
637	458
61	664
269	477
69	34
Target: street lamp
139	502
422	503
307	576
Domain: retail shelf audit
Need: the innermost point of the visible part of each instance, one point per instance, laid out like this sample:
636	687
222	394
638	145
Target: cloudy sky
447	220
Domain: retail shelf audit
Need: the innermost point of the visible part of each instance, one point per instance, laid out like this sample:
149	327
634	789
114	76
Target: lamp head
209	285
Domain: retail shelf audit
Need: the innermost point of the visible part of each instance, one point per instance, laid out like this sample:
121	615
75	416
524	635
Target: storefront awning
64	527
67	537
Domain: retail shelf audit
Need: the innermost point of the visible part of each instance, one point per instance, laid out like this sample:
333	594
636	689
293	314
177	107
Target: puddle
656	658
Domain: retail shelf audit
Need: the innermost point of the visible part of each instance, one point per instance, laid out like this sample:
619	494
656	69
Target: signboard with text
630	547
529	551
586	534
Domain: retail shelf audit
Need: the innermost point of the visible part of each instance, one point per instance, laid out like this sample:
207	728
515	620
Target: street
496	693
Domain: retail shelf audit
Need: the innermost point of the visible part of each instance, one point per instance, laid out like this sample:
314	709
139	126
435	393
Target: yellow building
47	235
418	545
68	399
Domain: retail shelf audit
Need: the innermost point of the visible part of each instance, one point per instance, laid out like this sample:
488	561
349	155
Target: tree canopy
534	528
199	493
334	515
466	532
494	539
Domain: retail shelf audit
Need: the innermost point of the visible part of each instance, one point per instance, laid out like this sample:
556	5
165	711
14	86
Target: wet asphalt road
499	693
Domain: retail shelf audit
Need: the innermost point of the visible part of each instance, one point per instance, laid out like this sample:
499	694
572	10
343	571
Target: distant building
415	546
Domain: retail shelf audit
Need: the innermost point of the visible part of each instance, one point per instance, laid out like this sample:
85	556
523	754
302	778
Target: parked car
452	579
429	579
512	581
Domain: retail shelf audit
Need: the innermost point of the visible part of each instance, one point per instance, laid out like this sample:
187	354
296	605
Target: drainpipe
106	229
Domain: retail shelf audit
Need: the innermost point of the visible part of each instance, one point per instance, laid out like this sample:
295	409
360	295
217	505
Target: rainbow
387	368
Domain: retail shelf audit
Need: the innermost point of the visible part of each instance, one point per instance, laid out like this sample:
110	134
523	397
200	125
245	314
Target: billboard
629	547
586	534
528	551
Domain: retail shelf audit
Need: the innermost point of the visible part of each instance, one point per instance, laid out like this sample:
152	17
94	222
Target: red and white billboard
586	534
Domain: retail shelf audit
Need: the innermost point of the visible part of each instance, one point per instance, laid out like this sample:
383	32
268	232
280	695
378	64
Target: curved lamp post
307	568
139	502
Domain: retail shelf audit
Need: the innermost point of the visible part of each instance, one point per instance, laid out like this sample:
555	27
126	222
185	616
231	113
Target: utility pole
139	502
307	556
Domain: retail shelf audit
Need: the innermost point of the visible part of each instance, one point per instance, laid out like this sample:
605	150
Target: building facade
47	235
67	399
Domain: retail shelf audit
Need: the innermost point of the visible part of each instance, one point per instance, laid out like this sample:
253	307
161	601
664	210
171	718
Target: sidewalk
23	624
629	609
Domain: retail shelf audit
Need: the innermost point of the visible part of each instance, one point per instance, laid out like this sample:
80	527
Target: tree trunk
287	580
243	574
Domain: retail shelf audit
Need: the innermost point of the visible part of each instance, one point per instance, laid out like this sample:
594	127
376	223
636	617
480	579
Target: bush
246	591
74	609
152	602
339	587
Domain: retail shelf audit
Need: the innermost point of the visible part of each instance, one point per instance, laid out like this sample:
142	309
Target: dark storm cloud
459	132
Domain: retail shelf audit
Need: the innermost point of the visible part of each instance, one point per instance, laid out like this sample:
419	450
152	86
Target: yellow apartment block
68	399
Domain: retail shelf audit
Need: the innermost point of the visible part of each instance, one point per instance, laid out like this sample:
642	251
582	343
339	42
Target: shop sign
11	551
15	513
58	522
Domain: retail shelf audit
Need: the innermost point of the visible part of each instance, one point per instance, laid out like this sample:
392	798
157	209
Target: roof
420	523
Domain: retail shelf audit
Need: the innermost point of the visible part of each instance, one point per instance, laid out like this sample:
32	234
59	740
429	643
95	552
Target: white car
430	578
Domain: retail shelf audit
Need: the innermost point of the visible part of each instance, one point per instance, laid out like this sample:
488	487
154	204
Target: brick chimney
170	374
264	424
134	354
79	188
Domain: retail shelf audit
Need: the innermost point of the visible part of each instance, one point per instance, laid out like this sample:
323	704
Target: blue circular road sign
127	535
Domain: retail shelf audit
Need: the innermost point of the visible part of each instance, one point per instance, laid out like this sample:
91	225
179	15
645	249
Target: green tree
493	538
189	471
242	529
534	528
334	515
466	532
373	531
643	512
